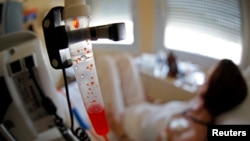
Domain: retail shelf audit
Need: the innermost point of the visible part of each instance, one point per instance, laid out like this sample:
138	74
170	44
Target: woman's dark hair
226	88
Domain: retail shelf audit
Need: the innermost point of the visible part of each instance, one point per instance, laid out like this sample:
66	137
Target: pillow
110	84
131	85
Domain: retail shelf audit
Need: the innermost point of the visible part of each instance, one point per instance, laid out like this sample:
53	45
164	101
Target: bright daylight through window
211	28
113	11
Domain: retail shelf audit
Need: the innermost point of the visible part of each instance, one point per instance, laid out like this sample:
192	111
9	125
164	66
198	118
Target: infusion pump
22	116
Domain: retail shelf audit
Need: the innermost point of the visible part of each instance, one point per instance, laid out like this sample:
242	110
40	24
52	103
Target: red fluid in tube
98	119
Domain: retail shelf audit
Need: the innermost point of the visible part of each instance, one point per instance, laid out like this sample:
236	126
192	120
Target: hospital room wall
146	24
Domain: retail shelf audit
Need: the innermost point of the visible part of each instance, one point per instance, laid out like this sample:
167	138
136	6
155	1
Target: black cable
79	133
50	107
68	99
32	75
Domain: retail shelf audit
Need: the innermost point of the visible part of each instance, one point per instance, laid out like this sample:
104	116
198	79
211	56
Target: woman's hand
192	132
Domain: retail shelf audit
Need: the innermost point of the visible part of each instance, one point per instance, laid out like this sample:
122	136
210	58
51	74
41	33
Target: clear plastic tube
86	76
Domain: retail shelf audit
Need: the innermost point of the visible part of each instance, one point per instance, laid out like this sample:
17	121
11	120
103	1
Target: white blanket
146	122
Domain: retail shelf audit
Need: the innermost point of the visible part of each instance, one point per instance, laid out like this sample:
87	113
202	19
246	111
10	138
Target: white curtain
221	18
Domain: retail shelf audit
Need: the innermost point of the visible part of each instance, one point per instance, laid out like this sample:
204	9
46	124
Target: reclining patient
223	90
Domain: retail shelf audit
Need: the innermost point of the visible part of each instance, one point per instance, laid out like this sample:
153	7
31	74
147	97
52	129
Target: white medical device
23	116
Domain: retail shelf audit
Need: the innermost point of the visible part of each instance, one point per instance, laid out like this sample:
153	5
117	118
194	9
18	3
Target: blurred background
173	42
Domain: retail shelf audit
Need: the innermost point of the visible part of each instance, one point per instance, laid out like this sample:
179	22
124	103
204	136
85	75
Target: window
207	29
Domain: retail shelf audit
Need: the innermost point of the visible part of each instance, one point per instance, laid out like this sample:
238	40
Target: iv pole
58	39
